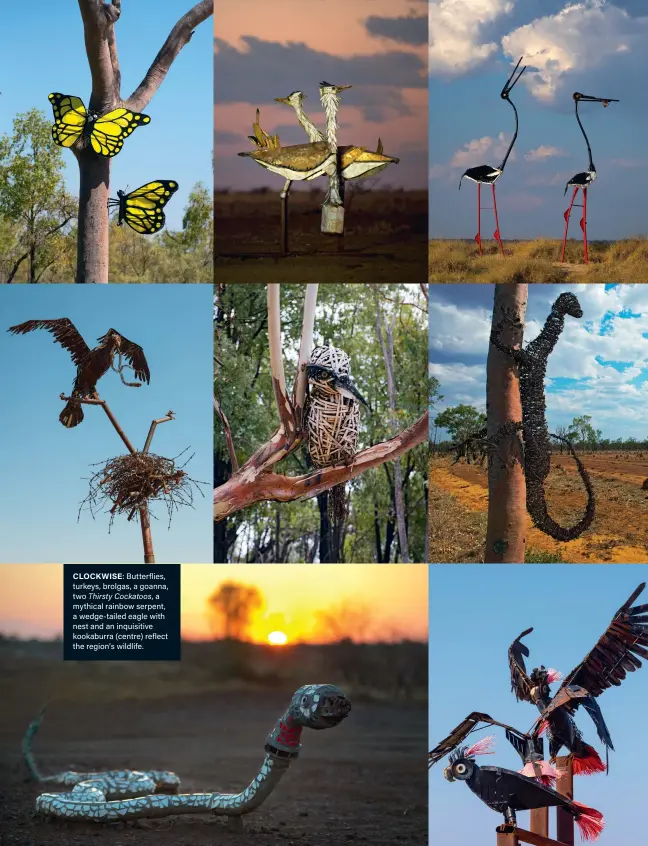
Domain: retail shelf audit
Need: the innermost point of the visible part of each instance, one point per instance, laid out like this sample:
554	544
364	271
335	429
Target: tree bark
507	517
254	484
92	237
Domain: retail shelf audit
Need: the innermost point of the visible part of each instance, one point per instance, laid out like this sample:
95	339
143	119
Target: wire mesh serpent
117	795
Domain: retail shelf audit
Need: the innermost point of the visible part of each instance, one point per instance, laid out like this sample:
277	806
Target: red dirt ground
620	529
362	782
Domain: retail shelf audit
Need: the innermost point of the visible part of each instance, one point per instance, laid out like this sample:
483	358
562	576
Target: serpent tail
540	514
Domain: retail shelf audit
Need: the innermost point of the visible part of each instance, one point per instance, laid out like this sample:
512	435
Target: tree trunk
507	517
325	529
388	356
92	236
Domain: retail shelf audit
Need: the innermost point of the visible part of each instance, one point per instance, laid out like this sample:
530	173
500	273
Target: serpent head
568	304
319	706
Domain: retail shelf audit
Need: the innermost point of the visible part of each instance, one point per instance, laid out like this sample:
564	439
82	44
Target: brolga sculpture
489	175
582	180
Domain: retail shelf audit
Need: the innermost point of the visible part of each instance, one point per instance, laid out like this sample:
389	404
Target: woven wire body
332	415
532	367
332	424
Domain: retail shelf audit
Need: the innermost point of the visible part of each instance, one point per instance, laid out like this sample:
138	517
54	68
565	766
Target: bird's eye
461	769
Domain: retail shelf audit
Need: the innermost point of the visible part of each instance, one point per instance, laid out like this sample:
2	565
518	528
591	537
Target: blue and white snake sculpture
118	795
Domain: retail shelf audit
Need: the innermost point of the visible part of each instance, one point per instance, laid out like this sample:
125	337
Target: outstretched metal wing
614	655
133	354
520	681
64	331
461	732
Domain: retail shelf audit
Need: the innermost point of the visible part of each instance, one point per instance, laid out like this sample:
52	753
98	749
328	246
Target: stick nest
124	484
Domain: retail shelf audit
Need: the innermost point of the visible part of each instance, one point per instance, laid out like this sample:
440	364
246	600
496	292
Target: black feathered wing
520	681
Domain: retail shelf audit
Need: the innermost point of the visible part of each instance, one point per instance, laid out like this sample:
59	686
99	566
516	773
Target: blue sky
475	614
595	47
44	467
599	366
43	51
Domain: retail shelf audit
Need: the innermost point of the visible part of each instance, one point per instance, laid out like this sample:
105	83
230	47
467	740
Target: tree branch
244	489
98	20
284	407
178	37
305	347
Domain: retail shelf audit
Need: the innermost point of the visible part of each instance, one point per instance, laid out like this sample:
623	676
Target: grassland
538	261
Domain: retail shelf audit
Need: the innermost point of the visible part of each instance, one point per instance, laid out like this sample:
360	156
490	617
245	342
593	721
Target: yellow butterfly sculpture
142	208
106	132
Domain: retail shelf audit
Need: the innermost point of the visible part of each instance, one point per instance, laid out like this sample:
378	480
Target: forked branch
255	481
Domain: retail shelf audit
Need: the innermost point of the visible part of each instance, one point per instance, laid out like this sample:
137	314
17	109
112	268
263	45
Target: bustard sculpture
355	162
489	175
584	179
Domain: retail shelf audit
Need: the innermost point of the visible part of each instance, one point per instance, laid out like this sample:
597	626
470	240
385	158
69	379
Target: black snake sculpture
531	363
118	795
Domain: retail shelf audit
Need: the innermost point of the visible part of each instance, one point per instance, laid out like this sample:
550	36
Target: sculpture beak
605	100
282	100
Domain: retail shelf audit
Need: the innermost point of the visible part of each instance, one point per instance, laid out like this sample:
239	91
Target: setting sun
277	638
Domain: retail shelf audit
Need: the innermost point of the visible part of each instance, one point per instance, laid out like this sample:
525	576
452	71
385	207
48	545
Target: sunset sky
390	603
267	50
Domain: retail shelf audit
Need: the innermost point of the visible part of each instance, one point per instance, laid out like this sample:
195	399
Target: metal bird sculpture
488	175
507	792
582	181
91	364
614	655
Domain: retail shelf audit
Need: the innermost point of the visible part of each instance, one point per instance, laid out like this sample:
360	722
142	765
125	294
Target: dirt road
364	781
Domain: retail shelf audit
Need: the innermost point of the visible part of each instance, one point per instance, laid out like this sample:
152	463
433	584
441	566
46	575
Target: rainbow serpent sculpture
118	795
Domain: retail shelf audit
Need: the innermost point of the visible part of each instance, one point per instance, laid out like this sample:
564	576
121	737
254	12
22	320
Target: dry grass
456	534
539	261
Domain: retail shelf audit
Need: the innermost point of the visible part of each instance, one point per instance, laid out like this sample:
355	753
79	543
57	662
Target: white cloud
543	152
475	151
456	33
580	37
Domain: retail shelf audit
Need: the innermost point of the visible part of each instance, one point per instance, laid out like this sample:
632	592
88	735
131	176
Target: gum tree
99	20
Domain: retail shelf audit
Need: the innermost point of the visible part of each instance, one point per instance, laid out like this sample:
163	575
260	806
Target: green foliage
345	317
461	421
542	556
35	210
581	431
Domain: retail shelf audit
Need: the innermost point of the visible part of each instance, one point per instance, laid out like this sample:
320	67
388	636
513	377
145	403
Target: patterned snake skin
128	794
532	365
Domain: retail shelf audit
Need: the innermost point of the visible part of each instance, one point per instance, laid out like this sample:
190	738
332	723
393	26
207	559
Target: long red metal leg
584	225
478	235
567	216
497	232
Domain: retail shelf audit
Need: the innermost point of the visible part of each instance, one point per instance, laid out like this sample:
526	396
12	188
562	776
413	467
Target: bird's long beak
510	82
605	100
282	100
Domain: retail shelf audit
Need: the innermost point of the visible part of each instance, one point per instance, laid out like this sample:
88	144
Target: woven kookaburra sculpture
332	414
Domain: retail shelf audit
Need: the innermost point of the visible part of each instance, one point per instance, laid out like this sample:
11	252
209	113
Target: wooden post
539	817
147	537
507	838
565	786
507	517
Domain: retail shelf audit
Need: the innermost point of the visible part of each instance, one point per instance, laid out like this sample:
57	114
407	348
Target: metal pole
154	425
284	217
539	817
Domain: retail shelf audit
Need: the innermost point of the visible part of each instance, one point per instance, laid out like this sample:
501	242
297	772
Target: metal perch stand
145	517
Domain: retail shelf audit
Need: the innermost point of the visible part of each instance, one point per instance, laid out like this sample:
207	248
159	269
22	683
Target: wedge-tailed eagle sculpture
91	364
